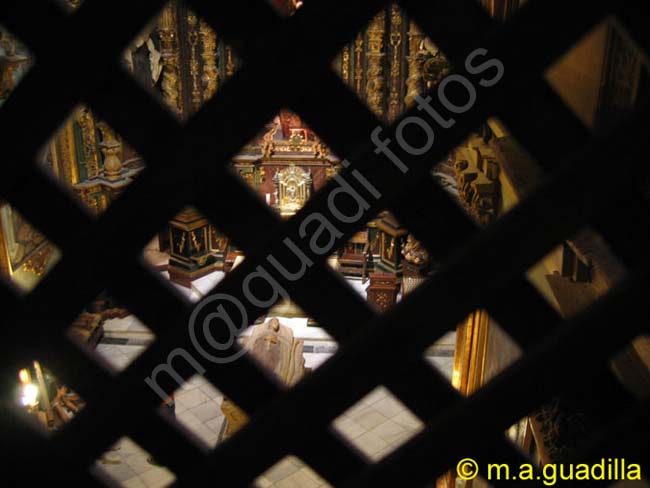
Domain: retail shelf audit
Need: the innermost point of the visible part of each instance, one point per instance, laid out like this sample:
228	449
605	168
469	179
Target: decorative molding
230	62
345	64
86	122
112	149
210	76
414	80
395	39
375	64
38	261
358	64
193	38
168	34
479	188
64	155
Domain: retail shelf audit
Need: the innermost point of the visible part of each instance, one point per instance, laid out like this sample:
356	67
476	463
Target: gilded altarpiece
375	64
194	59
286	146
90	158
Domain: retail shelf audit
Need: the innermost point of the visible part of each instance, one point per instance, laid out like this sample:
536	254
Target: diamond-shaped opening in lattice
290	472
378	424
288	343
576	273
522	435
15	61
286	8
383	261
474	353
191	254
46	401
204	412
602	77
90	160
390	62
574	276
26	255
180	59
631	366
488	174
286	163
112	334
441	355
126	464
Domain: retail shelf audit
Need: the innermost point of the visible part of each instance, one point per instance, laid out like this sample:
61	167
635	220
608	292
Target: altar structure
190	248
293	189
286	163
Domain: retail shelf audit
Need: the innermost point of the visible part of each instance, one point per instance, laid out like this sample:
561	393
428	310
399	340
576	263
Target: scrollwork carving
414	80
394	102
358	63
193	38
168	35
210	76
375	68
345	64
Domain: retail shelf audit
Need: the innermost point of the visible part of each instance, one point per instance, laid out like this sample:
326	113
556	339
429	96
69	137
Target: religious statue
144	59
414	252
267	140
274	347
435	66
321	150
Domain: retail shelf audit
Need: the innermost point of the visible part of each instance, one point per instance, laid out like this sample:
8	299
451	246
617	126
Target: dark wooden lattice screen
77	61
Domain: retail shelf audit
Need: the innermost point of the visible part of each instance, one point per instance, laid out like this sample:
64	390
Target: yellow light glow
23	375
30	392
455	378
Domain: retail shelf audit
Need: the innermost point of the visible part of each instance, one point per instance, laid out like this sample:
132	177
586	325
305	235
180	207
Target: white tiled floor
198	409
128	464
119	356
377	424
128	326
291	472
